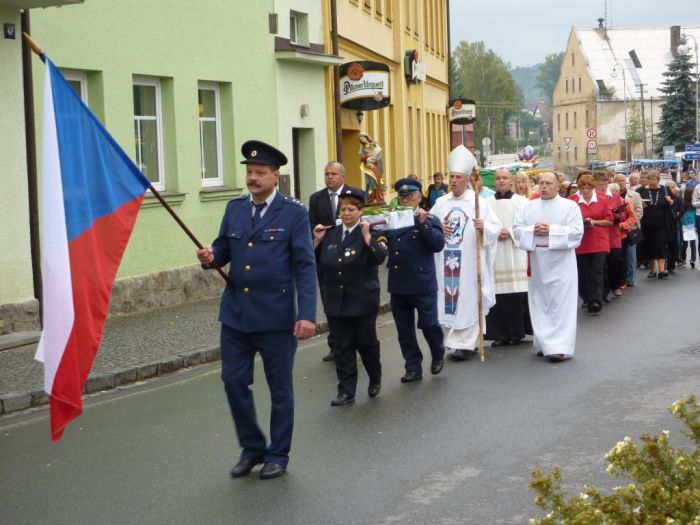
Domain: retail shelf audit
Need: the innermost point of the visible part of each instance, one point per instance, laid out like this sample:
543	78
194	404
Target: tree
548	75
677	124
634	124
481	75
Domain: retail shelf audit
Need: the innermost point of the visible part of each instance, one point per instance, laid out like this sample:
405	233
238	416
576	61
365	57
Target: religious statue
372	168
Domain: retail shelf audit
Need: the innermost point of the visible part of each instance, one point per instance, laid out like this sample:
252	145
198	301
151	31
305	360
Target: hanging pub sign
364	85
413	68
462	111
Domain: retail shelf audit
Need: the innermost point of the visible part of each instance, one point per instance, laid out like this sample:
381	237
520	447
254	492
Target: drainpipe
30	146
336	85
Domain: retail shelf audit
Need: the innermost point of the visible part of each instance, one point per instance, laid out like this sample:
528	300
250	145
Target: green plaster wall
15	258
181	42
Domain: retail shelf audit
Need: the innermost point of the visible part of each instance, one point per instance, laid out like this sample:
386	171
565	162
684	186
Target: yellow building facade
413	130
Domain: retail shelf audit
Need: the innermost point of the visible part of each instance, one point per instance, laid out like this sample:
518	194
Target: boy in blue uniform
412	282
266	238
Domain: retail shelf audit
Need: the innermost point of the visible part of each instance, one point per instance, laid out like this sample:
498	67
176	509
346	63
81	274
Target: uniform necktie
346	235
258	211
334	202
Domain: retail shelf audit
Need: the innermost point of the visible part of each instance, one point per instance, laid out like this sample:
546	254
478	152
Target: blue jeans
631	263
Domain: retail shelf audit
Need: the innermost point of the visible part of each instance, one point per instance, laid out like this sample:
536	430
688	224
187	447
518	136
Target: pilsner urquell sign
364	85
462	111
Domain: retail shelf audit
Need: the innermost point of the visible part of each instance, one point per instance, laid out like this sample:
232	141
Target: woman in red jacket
595	245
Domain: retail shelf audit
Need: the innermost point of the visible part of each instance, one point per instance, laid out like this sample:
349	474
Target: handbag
634	236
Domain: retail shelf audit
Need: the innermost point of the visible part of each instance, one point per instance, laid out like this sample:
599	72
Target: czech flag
91	195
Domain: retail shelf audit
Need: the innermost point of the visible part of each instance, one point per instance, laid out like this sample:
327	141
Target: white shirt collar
268	201
337	192
351	228
594	198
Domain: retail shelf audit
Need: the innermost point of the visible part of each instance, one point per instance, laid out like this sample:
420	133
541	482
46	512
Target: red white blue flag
91	195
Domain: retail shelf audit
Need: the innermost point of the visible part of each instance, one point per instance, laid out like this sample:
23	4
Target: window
407	11
572	59
558	121
567	120
389	9
293	28
78	81
148	130
575	152
586	119
367	5
575	119
573	85
579	84
210	134
567	85
416	18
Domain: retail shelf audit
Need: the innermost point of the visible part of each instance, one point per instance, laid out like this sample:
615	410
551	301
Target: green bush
665	487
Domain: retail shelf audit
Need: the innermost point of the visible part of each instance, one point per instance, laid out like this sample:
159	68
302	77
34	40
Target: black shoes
498	342
329	357
243	467
436	366
459	355
411	376
662	275
373	390
594	307
343	399
272	470
651	275
555	358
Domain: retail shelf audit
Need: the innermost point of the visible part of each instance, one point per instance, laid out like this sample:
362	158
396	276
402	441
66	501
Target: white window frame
78	76
219	180
154	82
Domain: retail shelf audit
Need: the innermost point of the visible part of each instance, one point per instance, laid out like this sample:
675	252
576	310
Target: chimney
675	40
600	23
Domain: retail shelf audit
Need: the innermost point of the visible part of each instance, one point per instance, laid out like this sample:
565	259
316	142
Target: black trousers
355	334
591	276
617	267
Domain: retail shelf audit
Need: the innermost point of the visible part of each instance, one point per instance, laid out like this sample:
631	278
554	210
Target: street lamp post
624	103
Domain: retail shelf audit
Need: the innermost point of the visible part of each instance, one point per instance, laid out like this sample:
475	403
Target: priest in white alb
549	229
458	307
508	322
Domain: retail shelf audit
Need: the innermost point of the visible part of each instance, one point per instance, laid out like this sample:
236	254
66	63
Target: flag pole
41	54
479	235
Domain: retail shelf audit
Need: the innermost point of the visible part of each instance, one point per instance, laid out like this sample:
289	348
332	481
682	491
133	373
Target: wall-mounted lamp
359	115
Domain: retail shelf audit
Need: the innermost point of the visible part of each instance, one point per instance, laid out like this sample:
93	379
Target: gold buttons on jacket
340	273
247	266
396	266
396	253
250	245
246	290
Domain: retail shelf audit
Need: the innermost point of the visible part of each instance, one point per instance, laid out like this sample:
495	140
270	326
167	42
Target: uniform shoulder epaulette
242	197
293	200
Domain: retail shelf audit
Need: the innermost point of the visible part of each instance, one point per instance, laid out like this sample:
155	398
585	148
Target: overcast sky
523	32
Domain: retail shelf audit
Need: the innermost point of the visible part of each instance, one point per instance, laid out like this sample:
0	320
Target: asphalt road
454	448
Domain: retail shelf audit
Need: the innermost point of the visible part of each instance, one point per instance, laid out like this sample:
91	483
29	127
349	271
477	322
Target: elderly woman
595	245
349	257
674	230
624	219
657	210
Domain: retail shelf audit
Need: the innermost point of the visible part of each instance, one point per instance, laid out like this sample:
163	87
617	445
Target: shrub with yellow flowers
664	487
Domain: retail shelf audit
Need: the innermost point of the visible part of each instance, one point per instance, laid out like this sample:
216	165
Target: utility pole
644	127
651	117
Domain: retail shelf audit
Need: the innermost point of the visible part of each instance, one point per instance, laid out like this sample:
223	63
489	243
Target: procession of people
501	265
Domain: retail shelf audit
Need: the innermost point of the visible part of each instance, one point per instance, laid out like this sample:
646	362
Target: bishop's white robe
455	265
553	286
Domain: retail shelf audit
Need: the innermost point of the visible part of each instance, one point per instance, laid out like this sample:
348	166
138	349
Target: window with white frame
210	134
293	28
148	130
78	81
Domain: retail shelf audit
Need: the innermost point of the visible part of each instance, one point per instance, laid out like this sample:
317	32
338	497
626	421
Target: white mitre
461	160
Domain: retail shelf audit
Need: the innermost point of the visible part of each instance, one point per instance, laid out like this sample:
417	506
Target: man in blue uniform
412	283
266	238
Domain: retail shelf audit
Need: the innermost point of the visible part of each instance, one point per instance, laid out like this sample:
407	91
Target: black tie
258	211
347	234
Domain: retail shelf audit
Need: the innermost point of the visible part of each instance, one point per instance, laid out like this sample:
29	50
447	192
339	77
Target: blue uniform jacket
411	257
349	273
272	266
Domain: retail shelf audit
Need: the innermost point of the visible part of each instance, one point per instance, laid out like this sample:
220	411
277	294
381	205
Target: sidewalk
134	348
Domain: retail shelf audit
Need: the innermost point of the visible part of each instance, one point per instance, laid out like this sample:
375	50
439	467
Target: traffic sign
486	141
692	147
591	133
592	144
692	156
567	140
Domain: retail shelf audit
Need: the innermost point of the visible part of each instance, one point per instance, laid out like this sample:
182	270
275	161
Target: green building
180	86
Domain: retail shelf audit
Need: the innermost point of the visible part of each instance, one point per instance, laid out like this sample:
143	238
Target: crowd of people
471	260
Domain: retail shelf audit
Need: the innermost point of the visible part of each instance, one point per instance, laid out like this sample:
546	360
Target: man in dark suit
323	209
265	236
412	282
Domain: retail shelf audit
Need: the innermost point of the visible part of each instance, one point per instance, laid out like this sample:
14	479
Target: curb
16	401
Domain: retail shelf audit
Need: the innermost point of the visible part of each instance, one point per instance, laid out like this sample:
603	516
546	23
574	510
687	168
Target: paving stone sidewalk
133	348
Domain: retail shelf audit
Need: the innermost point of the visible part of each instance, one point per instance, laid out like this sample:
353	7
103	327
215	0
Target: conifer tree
677	124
